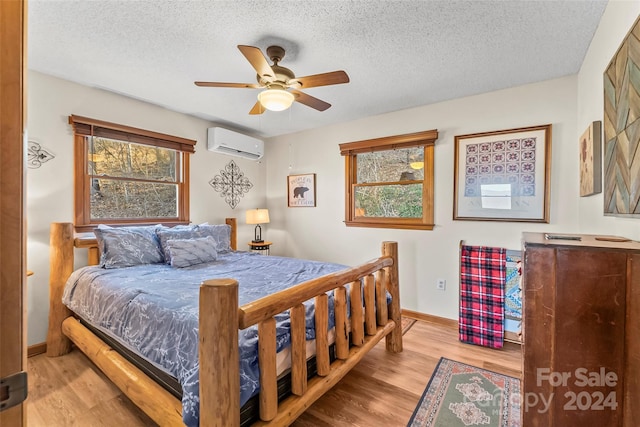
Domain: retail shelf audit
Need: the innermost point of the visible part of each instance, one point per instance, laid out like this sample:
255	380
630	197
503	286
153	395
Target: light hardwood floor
383	389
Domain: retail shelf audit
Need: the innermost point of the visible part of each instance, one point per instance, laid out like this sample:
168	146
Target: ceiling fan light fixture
276	99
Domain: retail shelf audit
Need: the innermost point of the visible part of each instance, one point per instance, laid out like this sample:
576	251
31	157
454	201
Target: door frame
13	348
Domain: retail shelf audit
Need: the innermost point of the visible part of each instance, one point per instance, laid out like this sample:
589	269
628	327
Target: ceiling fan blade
258	61
310	101
238	85
257	109
324	79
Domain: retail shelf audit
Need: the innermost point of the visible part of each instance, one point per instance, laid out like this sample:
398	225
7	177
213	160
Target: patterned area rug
463	395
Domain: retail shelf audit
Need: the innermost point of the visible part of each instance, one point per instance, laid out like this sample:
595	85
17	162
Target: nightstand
262	247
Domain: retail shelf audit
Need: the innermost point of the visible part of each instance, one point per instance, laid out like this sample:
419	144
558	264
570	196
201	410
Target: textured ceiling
398	54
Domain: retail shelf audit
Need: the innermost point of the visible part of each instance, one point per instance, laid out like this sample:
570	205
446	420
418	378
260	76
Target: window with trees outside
125	175
389	181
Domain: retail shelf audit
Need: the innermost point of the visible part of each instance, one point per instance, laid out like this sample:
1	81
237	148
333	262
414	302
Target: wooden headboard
91	244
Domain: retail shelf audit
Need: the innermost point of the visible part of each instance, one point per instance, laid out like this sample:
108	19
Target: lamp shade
416	161
276	99
257	216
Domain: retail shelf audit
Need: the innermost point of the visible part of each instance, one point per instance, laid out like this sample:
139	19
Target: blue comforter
153	310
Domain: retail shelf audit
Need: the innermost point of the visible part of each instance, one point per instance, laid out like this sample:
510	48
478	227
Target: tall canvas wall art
591	160
622	128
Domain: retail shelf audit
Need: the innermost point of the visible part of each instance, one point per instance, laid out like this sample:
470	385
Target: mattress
152	310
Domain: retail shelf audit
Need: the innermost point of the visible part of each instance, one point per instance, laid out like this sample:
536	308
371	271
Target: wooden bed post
60	268
394	339
218	354
233	223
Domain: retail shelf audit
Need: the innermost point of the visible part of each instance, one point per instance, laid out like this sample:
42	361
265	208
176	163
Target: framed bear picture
301	190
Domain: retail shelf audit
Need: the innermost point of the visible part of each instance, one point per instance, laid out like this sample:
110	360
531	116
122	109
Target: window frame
350	150
84	128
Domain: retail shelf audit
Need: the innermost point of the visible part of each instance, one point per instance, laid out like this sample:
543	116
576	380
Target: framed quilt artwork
622	129
503	175
591	160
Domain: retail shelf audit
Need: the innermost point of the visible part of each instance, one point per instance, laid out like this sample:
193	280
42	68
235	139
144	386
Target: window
125	175
389	182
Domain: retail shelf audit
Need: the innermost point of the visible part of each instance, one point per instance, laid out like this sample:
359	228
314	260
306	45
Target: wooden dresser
581	325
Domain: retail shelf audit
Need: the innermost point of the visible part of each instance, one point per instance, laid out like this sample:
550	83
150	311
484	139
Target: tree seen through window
131	180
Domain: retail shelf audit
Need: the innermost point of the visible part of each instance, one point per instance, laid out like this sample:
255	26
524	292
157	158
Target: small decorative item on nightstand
262	247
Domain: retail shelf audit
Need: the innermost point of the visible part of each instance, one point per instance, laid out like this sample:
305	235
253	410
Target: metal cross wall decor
231	184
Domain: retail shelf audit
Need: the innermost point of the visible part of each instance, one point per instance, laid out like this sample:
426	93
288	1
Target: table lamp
258	216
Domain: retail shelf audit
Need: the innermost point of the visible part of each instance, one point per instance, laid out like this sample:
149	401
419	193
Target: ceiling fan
279	83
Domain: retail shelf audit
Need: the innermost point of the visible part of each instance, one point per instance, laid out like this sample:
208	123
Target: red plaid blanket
482	279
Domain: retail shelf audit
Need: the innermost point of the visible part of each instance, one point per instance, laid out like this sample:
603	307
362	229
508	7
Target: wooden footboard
221	318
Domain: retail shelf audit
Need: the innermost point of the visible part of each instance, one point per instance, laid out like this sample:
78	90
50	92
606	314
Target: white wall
319	233
616	22
50	187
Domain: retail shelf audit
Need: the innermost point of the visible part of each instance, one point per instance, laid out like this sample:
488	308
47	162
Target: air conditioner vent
225	141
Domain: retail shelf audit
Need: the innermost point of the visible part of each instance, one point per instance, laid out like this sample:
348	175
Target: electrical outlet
441	284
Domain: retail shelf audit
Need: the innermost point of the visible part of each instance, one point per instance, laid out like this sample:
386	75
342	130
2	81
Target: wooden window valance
426	138
92	127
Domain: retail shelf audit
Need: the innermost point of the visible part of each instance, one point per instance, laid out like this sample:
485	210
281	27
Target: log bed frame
220	320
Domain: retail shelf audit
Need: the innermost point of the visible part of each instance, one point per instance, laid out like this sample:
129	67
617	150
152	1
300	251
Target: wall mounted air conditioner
225	141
